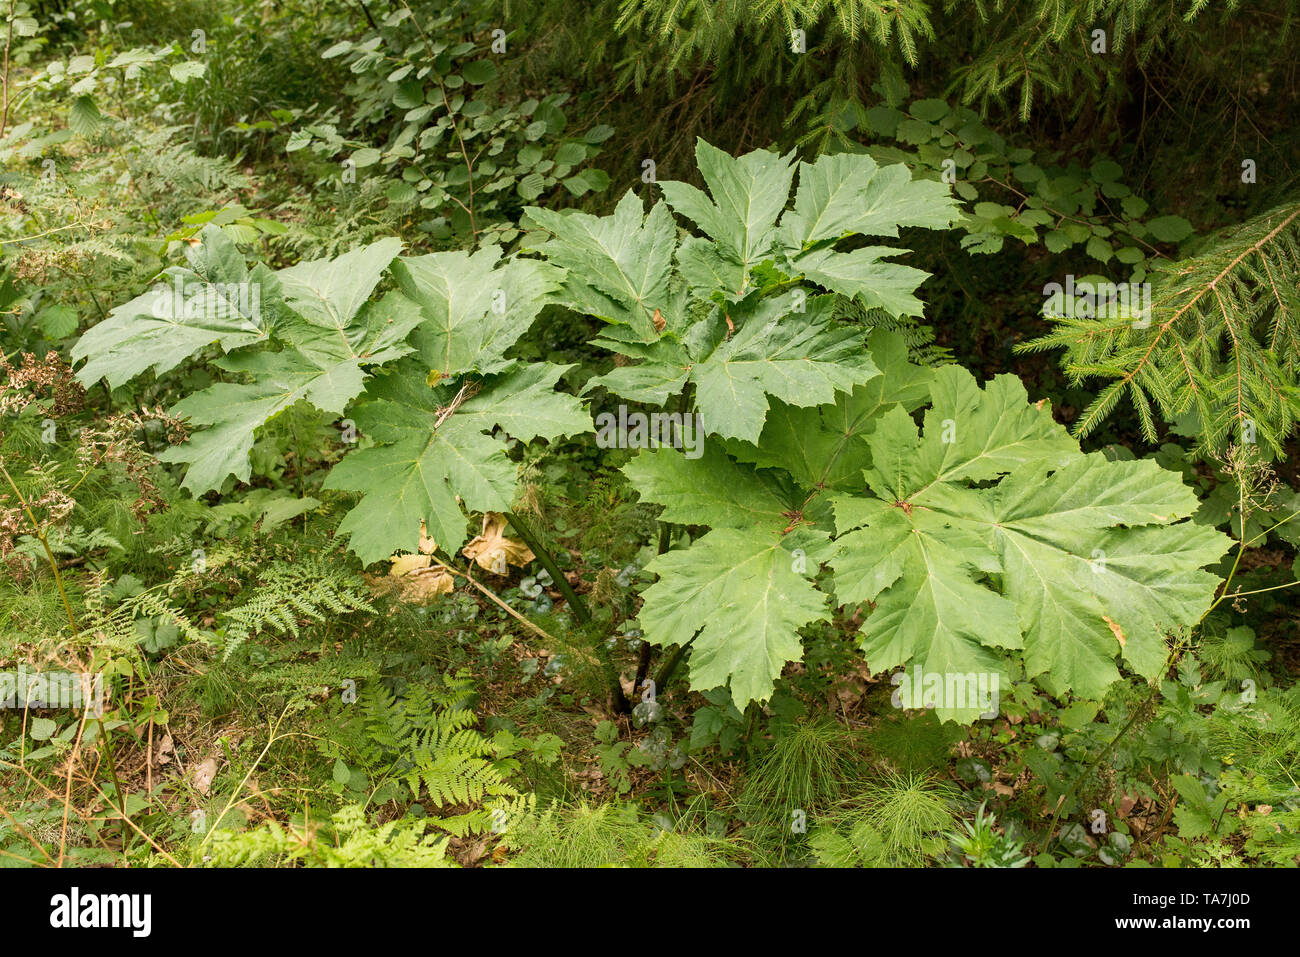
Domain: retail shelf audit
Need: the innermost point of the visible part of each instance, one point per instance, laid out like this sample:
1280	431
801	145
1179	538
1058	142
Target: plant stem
4	71
666	672
643	665
444	561
580	610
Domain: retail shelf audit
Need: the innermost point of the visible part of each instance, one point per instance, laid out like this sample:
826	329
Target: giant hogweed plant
420	369
982	540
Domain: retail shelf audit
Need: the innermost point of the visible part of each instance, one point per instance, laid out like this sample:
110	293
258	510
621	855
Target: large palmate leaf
1076	559
308	333
618	266
863	274
436	453
215	299
329	333
434	415
1088	566
847	194
752	602
475	307
739	588
740	323
323	368
801	360
837	197
330	292
800	364
748	193
825	447
743	587
983	544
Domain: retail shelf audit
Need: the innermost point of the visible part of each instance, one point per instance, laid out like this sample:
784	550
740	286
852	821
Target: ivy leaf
435	451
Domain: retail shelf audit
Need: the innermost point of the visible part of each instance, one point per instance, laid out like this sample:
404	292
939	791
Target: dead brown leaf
492	551
416	579
204	774
165	752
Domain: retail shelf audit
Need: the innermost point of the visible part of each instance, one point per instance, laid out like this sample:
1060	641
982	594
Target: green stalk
666	672
580	610
643	664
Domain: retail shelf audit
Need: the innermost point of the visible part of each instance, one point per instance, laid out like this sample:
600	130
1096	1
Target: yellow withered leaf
413	577
419	587
1115	630
405	564
427	544
493	551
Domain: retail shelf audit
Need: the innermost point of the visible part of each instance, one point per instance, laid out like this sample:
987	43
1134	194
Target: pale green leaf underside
324	367
619	265
216	299
474	306
711	490
330	292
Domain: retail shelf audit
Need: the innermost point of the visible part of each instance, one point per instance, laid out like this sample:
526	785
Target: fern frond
309	588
